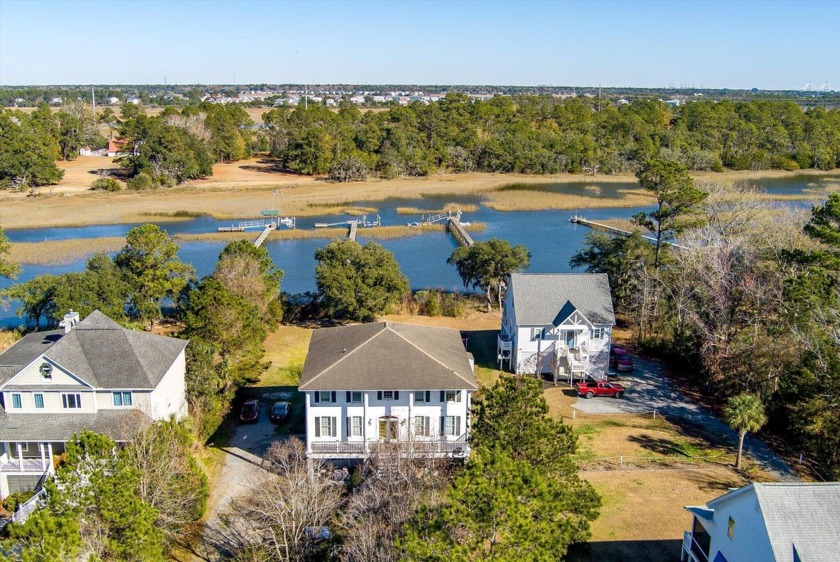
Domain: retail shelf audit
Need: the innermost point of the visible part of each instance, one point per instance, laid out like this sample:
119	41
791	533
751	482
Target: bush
13	500
106	184
348	169
141	181
784	163
440	303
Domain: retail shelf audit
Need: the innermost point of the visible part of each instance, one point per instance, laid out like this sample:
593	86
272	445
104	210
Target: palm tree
744	413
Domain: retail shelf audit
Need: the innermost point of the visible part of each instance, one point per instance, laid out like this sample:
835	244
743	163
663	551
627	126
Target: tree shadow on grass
482	344
656	550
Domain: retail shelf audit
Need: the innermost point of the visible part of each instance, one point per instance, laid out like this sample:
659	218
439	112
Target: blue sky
772	45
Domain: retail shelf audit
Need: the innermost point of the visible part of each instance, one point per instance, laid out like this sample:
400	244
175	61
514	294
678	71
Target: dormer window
46	370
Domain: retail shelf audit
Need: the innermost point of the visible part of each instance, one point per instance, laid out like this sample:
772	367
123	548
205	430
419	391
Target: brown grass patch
524	200
7	338
53	252
285	349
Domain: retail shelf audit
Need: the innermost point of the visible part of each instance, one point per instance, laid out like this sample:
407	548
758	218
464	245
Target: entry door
388	428
571	337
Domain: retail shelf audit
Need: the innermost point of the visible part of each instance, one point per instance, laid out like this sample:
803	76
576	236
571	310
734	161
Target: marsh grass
465	208
57	252
524	200
7	338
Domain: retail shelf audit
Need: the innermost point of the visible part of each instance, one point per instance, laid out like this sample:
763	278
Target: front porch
437	448
24	463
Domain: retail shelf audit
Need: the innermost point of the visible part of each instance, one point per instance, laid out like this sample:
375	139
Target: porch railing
23	465
691	549
416	446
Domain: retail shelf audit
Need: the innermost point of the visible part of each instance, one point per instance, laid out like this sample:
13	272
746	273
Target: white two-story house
773	522
557	323
92	375
387	386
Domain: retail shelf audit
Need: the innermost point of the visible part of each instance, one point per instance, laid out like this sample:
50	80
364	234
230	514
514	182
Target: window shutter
317	427
458	396
379	395
348	396
317	396
334	428
442	427
428	396
443	396
347	427
458	426
333	397
396	395
427	426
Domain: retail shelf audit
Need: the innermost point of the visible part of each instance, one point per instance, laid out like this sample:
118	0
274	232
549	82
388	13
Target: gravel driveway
648	388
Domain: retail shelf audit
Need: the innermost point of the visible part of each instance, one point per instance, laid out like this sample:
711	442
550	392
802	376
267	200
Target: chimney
70	320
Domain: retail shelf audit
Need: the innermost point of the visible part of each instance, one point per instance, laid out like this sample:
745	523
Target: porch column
20	455
42	449
410	423
365	420
309	430
52	464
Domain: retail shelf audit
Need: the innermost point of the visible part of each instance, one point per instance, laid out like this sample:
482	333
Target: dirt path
649	388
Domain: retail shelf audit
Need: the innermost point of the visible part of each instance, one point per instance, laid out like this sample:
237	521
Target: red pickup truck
589	389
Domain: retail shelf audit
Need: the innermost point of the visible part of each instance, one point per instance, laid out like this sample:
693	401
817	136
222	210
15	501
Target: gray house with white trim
557	323
92	375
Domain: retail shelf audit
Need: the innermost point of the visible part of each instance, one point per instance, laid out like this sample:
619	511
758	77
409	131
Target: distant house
86	151
93	375
387	386
113	101
557	323
781	522
116	147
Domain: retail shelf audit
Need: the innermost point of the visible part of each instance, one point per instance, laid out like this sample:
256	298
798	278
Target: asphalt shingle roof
118	424
387	356
100	352
542	299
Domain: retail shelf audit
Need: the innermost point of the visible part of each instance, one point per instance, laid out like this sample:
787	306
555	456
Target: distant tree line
545	135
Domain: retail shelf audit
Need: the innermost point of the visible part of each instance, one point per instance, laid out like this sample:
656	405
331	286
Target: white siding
52	402
31	375
140	399
169	397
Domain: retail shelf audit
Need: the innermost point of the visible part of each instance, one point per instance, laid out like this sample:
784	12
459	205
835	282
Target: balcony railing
691	549
417	446
25	465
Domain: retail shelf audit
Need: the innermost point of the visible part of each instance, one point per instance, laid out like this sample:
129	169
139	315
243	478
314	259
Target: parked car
589	389
620	359
279	411
250	412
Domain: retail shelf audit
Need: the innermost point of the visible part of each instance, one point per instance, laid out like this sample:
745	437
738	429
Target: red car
588	389
250	412
620	359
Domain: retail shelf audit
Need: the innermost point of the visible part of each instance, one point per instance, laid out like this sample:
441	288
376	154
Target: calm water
548	235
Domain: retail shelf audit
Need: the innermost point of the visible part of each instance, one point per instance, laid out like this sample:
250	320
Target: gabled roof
387	356
101	353
25	351
801	516
542	299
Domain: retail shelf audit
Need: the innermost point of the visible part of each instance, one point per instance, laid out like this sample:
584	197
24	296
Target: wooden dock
612	229
351	230
454	226
264	234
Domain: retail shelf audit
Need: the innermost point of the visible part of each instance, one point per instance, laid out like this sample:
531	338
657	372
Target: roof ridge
424	352
345	355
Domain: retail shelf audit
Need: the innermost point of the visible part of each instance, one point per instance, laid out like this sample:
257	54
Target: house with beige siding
387	386
91	375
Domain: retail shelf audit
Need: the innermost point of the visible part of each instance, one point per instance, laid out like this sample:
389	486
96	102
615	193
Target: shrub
105	184
13	500
141	181
348	169
784	163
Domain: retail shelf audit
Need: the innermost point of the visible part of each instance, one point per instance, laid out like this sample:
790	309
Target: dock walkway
613	230
264	234
459	232
351	230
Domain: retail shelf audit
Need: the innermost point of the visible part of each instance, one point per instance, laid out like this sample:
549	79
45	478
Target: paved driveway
648	388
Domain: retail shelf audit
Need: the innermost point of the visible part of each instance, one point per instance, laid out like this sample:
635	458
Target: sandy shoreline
240	190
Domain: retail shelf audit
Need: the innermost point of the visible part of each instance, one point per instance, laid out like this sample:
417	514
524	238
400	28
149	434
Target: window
388	428
122	399
16	403
325	427
450	426
39	401
453	396
731	532
325	397
421	425
422	396
353	396
71	401
24	447
536	333
354	426
597	333
388	395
